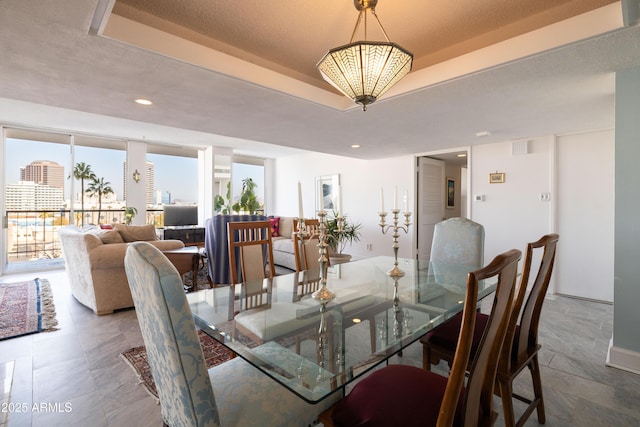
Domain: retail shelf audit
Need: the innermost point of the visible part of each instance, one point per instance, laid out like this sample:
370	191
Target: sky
177	175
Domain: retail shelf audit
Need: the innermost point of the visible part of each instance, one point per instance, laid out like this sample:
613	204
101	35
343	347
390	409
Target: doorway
442	182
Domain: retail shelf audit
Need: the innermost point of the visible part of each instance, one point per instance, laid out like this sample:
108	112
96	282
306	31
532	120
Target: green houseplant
220	204
248	201
338	239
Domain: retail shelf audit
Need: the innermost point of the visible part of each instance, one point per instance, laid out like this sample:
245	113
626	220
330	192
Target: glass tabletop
315	349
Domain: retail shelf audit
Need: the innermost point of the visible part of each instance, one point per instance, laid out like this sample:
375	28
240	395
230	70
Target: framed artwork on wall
451	193
496	178
328	192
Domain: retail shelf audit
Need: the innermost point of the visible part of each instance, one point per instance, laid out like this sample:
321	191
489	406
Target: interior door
430	202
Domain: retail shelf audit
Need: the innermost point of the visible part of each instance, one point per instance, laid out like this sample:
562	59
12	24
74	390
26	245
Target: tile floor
75	376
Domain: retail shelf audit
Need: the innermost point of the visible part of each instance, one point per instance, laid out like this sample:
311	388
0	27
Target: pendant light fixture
365	70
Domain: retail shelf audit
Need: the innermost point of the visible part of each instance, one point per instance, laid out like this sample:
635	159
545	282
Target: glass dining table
317	349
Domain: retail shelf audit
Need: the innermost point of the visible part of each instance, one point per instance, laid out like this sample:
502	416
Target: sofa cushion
110	236
274	223
285	226
283	245
136	233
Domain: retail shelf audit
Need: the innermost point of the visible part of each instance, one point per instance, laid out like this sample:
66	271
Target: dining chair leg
372	334
426	358
506	392
534	368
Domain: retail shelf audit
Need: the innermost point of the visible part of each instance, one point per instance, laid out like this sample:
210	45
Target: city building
43	172
31	196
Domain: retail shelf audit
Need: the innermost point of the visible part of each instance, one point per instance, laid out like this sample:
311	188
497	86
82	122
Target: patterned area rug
214	354
26	308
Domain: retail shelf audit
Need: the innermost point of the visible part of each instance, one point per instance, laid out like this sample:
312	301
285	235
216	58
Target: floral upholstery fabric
458	241
170	338
244	396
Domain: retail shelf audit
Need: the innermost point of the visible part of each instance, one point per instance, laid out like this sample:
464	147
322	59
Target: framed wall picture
451	193
328	192
496	178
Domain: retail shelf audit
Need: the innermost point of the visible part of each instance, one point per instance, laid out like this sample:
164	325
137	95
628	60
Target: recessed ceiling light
355	146
143	101
483	133
461	155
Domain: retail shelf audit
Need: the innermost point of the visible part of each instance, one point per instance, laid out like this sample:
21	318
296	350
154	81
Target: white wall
360	182
585	201
137	191
512	212
577	172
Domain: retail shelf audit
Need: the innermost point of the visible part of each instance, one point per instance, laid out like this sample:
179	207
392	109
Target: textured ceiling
246	78
291	37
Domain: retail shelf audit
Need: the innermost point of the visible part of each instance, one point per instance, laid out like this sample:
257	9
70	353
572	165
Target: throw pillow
110	236
274	222
106	226
137	233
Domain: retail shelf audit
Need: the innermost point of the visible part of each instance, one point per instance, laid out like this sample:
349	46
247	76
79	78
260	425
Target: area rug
214	354
26	308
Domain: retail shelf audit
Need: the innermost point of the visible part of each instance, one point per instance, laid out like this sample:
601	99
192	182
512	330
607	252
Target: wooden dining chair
521	344
408	396
233	393
250	244
305	249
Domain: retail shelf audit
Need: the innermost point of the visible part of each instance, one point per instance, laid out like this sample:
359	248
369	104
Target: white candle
395	197
406	200
381	199
300	213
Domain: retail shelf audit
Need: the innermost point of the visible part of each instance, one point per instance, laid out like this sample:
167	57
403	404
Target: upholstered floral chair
233	393
458	241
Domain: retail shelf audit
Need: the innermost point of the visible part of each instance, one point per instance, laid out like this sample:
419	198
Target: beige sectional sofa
283	254
94	261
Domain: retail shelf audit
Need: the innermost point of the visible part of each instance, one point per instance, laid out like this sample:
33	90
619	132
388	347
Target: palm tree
83	171
99	187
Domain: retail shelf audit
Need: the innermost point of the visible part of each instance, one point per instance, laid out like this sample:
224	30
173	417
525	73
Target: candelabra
395	271
322	339
398	314
323	294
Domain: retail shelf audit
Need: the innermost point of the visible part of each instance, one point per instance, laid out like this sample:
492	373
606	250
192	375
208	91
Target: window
172	179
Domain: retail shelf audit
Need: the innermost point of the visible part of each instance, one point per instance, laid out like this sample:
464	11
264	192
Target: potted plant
248	200
220	204
338	239
247	203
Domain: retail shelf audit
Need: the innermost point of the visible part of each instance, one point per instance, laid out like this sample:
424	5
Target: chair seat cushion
396	395
248	397
446	335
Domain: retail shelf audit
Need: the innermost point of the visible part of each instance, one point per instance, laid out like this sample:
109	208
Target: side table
186	259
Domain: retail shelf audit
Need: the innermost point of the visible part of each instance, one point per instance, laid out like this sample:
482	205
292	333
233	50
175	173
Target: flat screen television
180	216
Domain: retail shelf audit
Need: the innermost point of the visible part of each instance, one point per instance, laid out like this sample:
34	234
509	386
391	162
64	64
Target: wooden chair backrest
529	317
305	250
479	388
250	241
306	283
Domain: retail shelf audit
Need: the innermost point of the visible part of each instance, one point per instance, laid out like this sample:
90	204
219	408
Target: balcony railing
33	235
